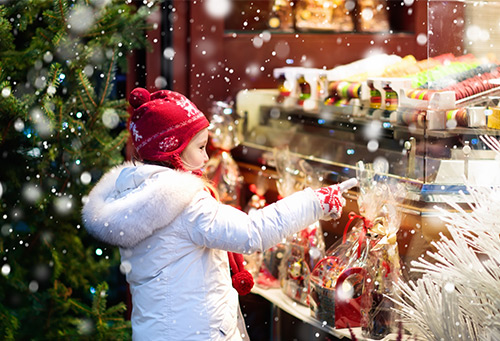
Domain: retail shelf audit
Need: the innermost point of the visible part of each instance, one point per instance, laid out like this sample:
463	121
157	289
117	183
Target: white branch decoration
458	296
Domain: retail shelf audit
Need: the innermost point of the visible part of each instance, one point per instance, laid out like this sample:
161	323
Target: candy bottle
391	98
283	89
304	89
375	97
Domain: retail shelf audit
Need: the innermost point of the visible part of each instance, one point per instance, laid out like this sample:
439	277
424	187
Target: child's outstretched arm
219	226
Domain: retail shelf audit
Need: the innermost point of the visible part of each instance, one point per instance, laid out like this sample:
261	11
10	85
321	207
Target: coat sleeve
218	226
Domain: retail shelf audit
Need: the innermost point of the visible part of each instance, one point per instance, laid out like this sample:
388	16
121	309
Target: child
173	234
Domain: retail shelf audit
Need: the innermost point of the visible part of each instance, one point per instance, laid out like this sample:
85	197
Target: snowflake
169	143
187	105
135	132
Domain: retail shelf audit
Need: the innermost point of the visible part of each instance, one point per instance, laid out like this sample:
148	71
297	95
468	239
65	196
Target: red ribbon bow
367	224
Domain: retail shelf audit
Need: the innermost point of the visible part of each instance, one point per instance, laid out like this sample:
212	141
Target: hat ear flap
138	97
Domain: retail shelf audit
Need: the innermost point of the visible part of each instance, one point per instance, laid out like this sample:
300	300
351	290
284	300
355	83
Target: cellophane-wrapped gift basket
345	284
336	283
264	266
221	169
287	183
305	248
257	201
383	265
302	251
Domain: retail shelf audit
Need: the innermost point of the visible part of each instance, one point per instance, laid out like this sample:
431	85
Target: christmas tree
62	120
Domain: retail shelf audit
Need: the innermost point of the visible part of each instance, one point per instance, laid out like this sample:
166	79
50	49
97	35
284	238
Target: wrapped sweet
221	168
302	251
268	276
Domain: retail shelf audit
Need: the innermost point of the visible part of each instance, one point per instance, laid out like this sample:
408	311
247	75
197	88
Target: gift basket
383	267
336	283
221	169
345	283
288	183
305	248
256	202
263	265
302	251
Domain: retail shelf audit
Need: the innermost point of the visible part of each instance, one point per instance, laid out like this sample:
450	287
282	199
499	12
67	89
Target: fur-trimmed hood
130	203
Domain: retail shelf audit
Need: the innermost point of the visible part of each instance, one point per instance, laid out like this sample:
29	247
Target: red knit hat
163	123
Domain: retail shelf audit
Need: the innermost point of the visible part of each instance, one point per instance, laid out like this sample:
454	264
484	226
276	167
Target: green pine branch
7	41
87	93
109	78
58	85
51	88
108	322
9	324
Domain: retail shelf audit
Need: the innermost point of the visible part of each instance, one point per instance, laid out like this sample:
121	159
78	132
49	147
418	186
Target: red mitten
241	278
331	201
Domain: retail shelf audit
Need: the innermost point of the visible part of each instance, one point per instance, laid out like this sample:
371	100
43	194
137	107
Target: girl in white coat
174	235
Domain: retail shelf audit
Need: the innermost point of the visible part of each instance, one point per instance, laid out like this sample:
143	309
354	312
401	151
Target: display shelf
342	118
226	55
330	34
279	299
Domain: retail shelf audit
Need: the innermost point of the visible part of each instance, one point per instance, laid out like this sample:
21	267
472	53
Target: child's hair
209	184
210	187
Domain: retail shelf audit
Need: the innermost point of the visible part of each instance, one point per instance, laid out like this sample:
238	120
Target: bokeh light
33	286
6	92
5	269
218	9
19	125
63	205
372	146
85	178
169	53
421	39
31	192
81	18
110	118
125	267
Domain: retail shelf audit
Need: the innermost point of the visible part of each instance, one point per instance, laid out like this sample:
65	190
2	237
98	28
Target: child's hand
331	198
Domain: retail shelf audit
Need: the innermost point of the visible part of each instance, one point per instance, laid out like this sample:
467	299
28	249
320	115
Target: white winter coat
173	237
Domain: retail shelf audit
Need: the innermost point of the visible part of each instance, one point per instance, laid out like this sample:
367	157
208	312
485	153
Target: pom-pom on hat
163	123
241	279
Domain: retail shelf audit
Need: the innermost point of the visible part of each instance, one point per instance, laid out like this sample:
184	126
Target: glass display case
336	94
426	120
